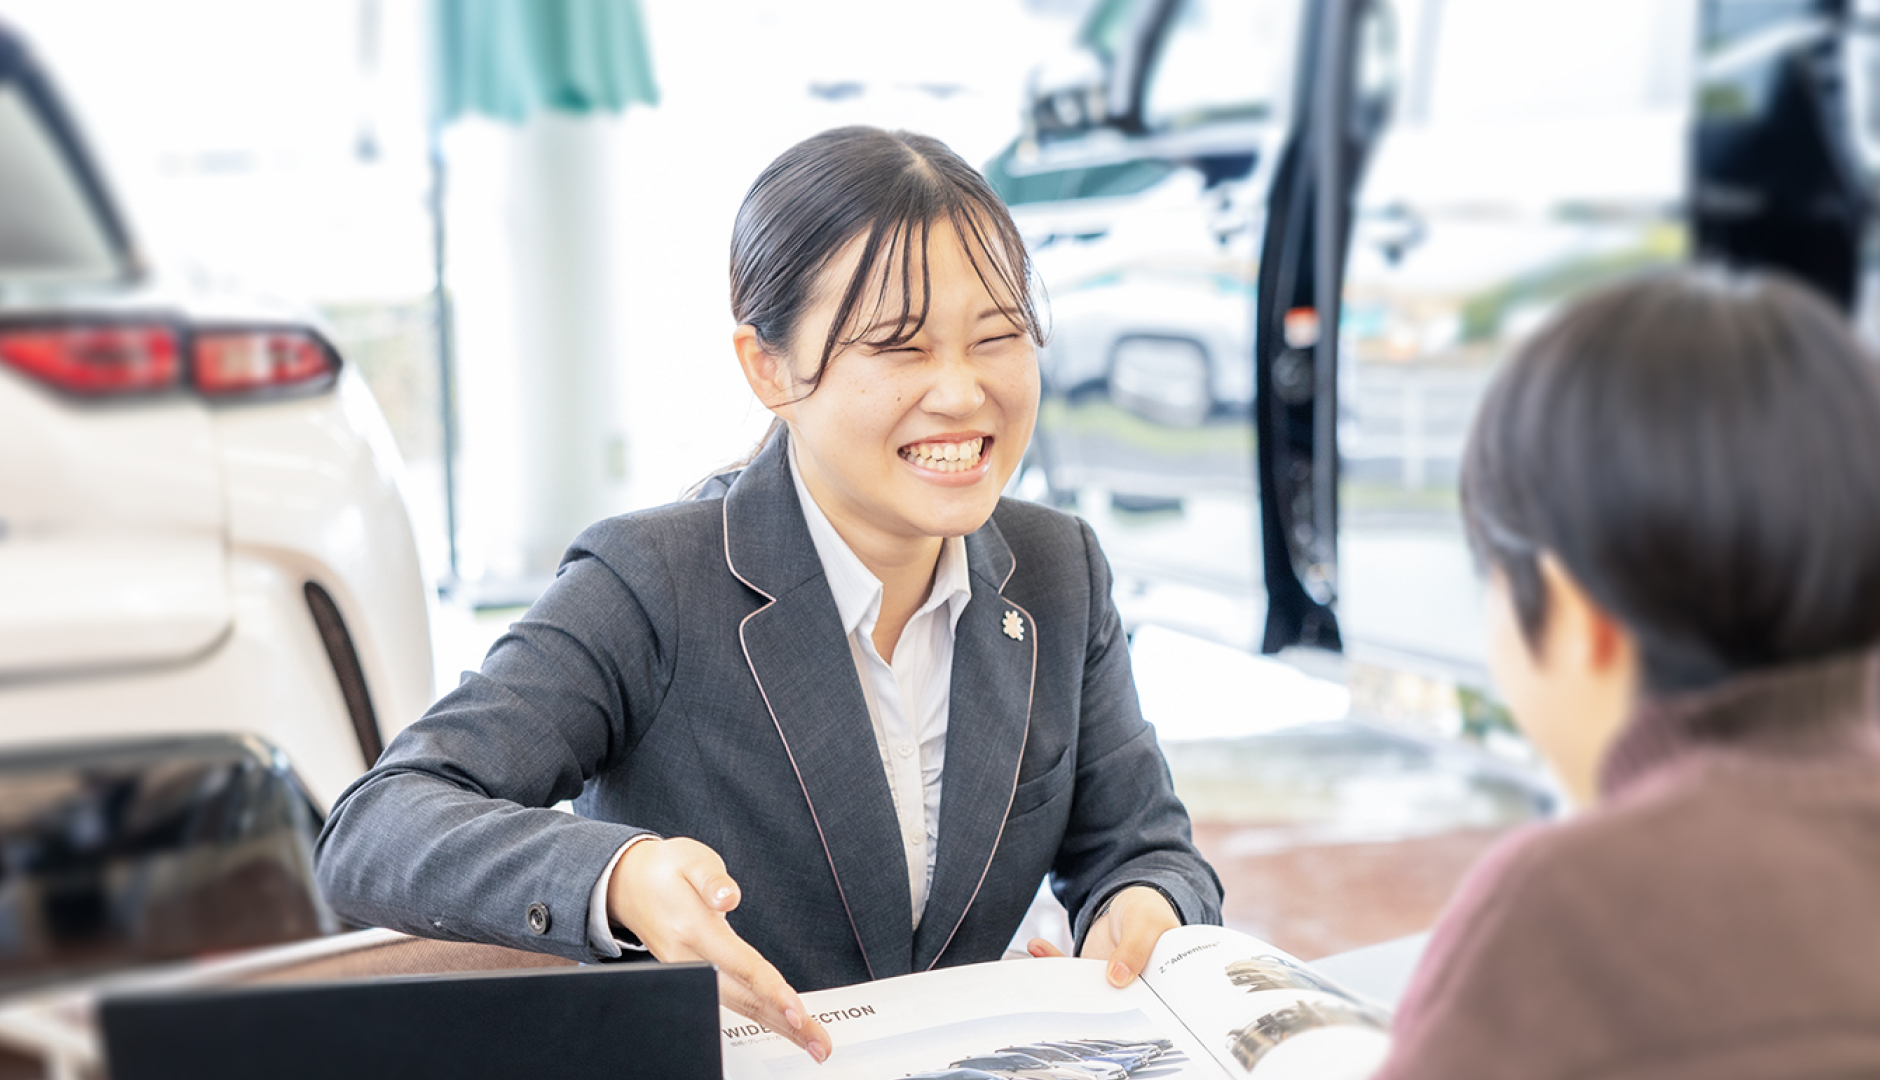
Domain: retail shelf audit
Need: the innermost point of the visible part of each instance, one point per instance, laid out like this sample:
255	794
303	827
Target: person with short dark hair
1674	488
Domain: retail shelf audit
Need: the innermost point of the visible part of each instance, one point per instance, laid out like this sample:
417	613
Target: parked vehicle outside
1260	483
1603	138
201	529
1169	188
1573	120
1272	327
1141	189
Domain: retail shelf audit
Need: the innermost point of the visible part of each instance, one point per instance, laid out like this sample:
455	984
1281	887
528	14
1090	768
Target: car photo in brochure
1212	1003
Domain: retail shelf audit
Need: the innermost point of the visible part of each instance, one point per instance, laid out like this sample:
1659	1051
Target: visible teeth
946	456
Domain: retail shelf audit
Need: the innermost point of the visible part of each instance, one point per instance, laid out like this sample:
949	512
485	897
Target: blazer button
538	918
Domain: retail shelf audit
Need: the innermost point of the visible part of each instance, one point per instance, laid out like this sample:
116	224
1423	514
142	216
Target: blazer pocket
1035	791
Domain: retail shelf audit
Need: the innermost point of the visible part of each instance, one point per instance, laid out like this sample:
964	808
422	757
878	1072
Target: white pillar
572	441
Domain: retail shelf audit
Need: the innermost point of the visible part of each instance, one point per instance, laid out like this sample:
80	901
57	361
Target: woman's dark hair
890	188
1701	451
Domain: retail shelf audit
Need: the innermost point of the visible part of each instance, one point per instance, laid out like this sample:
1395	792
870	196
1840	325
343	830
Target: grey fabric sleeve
453	833
1126	825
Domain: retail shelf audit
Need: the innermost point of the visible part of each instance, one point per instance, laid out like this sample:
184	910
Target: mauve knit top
1715	917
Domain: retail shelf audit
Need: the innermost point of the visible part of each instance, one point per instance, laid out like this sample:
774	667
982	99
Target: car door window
47	227
1546	153
1018	185
1108	30
1376	69
1729	22
1222	60
1523	61
1862	70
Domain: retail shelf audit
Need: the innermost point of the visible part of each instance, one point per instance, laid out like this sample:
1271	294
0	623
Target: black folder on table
614	1021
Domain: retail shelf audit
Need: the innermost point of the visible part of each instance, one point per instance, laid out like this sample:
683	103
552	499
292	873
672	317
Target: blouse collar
857	592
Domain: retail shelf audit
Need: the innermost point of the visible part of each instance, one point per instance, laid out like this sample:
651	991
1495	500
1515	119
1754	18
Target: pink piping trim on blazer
1030	689
827	854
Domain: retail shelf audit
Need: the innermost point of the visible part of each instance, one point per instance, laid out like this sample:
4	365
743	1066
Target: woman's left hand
1125	934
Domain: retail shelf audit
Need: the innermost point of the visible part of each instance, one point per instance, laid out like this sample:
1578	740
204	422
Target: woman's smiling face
907	441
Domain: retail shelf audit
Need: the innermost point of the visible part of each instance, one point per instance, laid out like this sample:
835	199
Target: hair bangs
895	261
884	191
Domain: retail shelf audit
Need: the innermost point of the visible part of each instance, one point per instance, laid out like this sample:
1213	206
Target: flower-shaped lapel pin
1014	626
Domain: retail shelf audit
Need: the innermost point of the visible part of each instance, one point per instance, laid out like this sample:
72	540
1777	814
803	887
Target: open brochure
1212	1004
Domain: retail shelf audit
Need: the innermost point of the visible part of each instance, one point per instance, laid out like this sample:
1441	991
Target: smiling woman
924	291
909	433
757	697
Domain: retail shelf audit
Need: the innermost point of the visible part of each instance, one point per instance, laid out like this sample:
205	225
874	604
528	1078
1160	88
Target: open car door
1346	87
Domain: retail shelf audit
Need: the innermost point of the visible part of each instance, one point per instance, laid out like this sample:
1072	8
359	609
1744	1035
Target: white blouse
907	698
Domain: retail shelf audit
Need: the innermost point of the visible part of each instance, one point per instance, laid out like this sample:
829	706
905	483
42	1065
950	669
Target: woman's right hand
673	895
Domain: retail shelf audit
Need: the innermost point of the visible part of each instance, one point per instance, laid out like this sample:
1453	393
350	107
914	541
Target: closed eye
882	348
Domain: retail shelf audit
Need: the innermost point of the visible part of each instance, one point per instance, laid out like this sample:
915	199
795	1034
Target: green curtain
509	59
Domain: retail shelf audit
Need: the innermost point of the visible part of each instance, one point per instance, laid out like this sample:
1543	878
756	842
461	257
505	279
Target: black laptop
614	1021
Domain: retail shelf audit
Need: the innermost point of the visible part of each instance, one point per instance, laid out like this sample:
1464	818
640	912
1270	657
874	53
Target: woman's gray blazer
687	674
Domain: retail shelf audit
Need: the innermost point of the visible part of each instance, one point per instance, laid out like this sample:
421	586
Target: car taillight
110	359
240	362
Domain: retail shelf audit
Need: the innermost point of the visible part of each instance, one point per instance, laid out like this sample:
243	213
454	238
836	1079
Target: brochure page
1261	1013
1212	1004
1052	1019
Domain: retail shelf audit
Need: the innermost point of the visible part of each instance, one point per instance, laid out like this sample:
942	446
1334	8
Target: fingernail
1119	974
794	1018
819	1052
723	893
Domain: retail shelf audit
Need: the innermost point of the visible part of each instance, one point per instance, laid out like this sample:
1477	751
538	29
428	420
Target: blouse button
905	750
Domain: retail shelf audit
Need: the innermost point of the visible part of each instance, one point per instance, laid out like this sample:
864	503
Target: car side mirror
1162	378
1392	230
1066	97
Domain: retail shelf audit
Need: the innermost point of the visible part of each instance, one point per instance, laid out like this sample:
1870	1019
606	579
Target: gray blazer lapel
988	716
799	656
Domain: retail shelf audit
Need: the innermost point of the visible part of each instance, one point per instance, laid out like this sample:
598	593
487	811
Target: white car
201	528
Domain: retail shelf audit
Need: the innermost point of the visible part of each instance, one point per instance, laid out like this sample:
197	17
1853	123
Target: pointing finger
750	985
